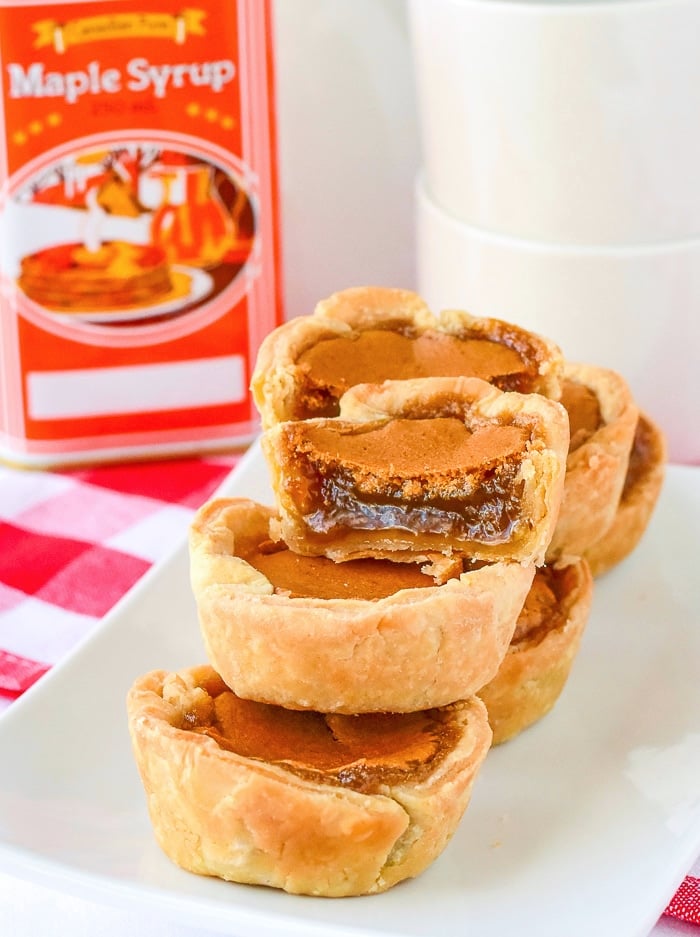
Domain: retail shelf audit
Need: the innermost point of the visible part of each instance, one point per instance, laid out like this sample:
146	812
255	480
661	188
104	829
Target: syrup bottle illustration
191	224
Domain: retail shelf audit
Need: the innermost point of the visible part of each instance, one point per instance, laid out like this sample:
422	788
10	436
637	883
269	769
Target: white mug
575	121
633	309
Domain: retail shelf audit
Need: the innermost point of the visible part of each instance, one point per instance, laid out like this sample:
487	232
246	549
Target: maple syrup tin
139	251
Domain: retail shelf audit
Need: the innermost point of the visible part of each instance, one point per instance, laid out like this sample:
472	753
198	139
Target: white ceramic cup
633	309
570	120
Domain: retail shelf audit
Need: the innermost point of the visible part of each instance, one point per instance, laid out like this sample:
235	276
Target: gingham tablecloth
73	542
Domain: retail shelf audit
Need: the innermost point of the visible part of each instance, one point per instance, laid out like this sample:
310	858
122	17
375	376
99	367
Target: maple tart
71	277
542	651
422	466
603	417
367	635
372	334
640	493
309	803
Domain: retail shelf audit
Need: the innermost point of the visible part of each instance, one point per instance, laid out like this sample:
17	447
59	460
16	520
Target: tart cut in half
368	635
367	335
542	651
309	803
602	416
428	465
643	482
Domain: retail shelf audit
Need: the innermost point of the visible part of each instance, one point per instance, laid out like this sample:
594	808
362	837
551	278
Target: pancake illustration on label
157	232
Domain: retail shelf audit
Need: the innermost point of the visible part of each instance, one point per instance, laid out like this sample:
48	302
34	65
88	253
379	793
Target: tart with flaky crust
643	481
367	335
312	804
603	417
544	646
428	465
368	635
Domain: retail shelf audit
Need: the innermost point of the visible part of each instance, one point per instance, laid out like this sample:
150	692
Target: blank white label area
55	395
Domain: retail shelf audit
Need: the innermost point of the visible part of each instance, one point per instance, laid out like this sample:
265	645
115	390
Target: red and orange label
139	262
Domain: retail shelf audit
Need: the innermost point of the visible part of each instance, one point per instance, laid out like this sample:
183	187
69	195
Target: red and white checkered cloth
73	542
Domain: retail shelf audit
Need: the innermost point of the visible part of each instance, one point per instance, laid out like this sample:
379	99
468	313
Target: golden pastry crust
410	650
288	385
596	464
428	465
368	307
643	483
538	662
215	812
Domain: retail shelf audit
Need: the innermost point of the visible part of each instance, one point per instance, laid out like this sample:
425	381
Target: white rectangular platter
583	825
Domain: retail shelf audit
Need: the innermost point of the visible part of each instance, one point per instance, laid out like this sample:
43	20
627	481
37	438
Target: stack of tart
417	592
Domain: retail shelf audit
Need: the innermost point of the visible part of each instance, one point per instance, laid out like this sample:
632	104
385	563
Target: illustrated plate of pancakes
186	286
143	291
582	822
130	234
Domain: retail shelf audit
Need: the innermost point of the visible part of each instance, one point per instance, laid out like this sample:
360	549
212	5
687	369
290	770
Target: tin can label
139	263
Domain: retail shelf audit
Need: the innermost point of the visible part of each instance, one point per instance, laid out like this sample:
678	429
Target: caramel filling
317	577
364	752
583	407
334	365
433	475
543	610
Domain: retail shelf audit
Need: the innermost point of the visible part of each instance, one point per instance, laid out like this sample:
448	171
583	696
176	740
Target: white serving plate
585	824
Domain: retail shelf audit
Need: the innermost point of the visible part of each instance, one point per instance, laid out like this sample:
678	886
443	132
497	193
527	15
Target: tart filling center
363	752
375	355
432	475
318	577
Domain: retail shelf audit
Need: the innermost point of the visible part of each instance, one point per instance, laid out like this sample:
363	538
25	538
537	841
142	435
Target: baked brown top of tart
369	335
363	752
297	576
437	464
376	355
